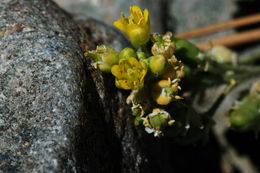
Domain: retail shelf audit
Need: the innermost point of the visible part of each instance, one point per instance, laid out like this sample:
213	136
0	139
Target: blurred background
172	15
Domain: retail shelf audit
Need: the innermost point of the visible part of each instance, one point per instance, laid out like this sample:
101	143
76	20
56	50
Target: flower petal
120	25
123	84
115	70
146	16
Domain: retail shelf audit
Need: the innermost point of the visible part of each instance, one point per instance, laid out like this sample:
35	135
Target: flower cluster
155	67
149	69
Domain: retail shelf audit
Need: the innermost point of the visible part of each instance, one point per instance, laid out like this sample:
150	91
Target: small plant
164	73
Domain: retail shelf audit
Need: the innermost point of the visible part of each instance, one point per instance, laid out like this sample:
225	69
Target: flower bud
137	110
103	67
141	55
105	57
222	54
157	64
127	53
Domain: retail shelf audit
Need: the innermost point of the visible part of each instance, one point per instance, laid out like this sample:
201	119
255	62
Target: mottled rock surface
40	95
56	114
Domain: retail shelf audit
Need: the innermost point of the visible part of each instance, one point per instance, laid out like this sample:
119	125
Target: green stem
242	73
248	59
238	73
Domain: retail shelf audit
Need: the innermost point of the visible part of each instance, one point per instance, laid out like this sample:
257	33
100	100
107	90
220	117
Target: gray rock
58	114
40	95
101	33
108	136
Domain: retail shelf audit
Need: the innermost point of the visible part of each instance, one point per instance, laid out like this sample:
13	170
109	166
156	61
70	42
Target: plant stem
249	59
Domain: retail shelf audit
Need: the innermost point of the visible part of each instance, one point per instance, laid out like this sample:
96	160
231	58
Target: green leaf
186	52
246	116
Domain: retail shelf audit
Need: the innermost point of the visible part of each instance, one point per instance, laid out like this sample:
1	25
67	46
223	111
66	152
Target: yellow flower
164	91
129	74
136	26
